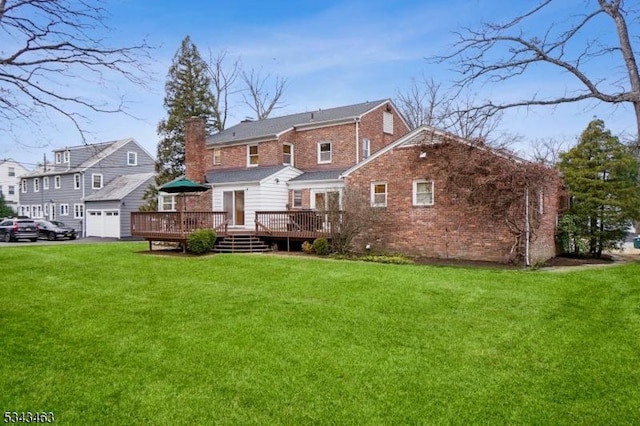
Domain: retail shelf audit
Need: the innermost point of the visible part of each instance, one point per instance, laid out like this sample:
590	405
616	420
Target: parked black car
18	229
53	230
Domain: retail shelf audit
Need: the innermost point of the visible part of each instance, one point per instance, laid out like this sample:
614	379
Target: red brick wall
444	230
342	137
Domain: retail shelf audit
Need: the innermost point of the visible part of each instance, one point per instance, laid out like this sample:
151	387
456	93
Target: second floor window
23	185
58	157
324	152
36	185
12	190
76	181
12	171
366	148
45	182
56	182
132	158
216	158
252	155
287	154
96	181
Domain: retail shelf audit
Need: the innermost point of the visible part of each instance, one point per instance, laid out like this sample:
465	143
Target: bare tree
547	150
223	80
423	103
428	103
497	52
257	95
49	48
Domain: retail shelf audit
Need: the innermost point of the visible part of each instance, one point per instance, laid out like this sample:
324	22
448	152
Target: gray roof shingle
119	187
319	175
253	174
271	127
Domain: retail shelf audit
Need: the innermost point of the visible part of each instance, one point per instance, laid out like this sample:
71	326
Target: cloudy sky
331	53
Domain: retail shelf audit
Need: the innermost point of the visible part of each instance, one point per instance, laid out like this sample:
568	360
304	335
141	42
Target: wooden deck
176	226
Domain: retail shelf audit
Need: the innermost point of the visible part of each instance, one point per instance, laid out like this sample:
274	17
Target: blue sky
332	53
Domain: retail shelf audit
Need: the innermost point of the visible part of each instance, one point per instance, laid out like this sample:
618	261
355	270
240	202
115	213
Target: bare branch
258	97
51	46
496	53
223	79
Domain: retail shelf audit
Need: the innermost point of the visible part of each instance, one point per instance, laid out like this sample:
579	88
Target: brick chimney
195	151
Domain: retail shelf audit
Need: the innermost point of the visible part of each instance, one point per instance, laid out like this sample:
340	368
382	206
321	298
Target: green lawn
99	334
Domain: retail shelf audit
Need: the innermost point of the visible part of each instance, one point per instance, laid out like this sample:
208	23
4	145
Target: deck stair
241	243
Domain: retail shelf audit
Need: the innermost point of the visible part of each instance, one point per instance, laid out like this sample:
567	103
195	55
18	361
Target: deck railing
176	225
297	223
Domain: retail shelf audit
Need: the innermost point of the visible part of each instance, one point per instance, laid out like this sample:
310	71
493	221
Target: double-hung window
378	194
216	157
78	211
96	181
56	181
366	148
132	158
422	192
253	158
45	182
287	154
76	181
324	152
36	185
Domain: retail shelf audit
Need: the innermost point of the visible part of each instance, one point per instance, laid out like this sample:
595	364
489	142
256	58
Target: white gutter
357	121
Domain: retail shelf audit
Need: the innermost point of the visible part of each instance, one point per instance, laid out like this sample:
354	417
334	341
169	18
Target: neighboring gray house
93	188
10	172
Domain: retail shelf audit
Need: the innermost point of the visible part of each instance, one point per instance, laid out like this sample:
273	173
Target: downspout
357	121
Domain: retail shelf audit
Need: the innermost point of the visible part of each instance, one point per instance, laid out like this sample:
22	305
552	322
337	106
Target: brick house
288	162
420	213
264	174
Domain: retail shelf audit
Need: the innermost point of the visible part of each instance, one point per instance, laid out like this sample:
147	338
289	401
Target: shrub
201	241
321	246
307	247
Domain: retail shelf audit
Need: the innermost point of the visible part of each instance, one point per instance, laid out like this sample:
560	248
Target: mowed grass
100	334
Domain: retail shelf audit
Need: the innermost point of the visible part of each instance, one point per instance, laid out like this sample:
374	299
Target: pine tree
601	175
187	94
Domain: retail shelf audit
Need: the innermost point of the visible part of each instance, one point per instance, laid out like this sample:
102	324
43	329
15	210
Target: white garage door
103	223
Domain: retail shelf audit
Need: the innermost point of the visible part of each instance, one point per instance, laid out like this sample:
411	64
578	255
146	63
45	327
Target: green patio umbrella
182	185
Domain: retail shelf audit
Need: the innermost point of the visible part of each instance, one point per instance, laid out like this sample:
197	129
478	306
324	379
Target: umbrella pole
182	228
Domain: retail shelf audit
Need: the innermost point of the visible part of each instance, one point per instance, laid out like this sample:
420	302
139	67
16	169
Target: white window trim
36	184
216	156
64	209
78	211
293	198
57	181
366	147
162	202
373	194
387	122
290	163
23	186
58	157
77	179
319	153
11	171
135	158
93	180
415	192
66	157
249	156
45	182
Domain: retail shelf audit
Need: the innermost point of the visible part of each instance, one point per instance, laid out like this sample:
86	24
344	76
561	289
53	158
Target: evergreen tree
601	175
187	94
